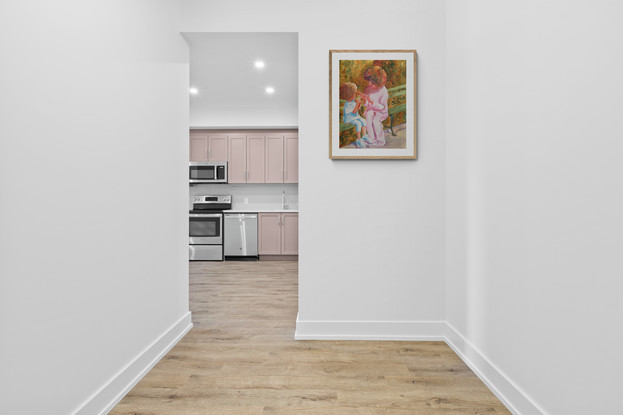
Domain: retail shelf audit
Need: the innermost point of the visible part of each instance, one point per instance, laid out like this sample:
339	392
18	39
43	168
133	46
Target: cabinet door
269	230
256	158
217	148
290	233
274	158
198	147
237	166
291	158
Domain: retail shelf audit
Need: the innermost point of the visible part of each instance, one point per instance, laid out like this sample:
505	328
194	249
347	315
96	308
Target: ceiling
223	71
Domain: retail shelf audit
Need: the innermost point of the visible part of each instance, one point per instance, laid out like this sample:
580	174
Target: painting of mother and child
373	104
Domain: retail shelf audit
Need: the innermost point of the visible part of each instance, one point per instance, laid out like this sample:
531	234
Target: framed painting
372	108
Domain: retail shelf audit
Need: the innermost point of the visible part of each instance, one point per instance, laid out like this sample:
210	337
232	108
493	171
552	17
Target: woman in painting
376	108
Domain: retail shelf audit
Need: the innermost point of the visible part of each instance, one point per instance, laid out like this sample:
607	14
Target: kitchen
243	167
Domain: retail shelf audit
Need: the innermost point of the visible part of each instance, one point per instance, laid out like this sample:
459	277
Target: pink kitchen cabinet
237	160
253	157
269	233
198	146
256	158
282	158
274	158
247	155
291	158
278	234
217	147
289	233
207	147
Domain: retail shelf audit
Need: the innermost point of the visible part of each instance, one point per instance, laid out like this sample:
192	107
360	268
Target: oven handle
205	215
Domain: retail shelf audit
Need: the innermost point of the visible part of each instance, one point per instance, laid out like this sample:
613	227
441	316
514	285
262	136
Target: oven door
206	229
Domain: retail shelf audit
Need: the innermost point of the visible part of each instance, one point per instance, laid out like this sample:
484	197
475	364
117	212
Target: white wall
371	232
94	100
534	201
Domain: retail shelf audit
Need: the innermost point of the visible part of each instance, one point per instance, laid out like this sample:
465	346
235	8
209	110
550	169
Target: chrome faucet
283	200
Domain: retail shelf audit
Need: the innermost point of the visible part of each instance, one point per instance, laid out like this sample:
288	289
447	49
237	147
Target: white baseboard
370	330
515	399
105	399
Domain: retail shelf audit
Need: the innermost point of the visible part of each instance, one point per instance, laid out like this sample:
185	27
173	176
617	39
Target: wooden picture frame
372	104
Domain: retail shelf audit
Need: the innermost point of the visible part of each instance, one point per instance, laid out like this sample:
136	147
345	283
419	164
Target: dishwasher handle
241	215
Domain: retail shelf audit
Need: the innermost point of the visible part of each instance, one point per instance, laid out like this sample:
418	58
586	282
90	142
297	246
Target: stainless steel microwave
207	172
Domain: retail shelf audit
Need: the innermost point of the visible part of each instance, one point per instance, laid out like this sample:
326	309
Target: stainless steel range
205	235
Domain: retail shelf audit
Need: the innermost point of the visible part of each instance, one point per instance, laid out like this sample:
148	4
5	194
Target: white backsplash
260	195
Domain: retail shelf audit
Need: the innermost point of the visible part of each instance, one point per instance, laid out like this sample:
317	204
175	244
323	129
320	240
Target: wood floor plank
241	358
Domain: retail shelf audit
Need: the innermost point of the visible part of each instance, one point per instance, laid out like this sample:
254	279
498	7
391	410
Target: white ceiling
222	69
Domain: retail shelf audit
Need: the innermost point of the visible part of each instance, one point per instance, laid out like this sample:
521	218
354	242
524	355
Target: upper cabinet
274	158
217	147
291	158
207	147
282	158
252	156
237	161
256	158
246	158
198	146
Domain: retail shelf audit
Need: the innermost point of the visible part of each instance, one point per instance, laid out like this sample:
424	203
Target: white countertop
261	211
260	208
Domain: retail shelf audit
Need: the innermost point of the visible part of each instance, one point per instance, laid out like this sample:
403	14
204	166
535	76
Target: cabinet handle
207	153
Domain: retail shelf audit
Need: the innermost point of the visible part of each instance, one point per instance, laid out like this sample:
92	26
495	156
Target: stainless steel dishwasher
241	236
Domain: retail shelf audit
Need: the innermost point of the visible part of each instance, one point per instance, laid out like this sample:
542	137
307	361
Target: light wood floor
241	358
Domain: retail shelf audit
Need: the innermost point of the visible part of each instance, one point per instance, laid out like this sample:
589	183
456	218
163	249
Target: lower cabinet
278	233
290	233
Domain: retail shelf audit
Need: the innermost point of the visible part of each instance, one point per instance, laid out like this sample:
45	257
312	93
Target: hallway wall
371	232
534	201
93	286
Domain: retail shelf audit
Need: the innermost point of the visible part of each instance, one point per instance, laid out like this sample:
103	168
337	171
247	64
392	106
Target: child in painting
376	107
348	92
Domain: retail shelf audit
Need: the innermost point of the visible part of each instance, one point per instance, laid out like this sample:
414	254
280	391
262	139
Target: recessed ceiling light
193	91
270	90
259	64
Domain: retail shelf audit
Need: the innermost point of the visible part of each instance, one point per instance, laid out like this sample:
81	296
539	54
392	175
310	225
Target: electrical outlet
246	200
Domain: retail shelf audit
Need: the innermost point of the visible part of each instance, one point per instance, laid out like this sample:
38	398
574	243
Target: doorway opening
244	113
